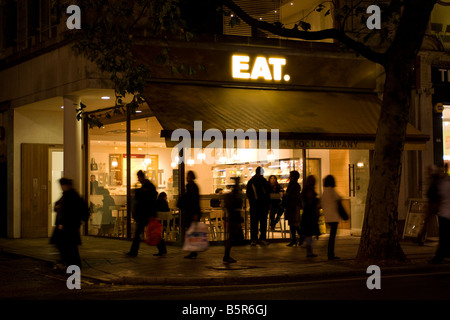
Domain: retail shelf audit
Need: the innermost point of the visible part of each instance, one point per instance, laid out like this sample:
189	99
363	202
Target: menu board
115	170
415	217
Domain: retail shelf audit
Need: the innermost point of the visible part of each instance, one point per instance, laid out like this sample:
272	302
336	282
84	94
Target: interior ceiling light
147	160
105	98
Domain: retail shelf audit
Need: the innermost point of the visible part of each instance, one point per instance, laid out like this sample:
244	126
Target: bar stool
279	227
216	223
168	231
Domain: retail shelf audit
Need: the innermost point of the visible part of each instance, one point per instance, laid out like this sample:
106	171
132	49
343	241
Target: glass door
56	170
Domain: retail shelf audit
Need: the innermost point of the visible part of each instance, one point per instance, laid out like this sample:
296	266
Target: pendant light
147	160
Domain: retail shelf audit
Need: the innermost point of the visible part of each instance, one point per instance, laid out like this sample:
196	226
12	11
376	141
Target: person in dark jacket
69	209
258	194
107	218
162	204
145	207
189	204
233	205
309	225
275	211
293	203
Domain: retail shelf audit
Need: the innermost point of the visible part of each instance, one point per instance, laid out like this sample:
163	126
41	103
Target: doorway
359	176
36	186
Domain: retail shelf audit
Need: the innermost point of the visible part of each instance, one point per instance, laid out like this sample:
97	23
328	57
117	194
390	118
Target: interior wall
31	126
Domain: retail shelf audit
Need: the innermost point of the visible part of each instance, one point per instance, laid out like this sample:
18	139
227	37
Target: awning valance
305	119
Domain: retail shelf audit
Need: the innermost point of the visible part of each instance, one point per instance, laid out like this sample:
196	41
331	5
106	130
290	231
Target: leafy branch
107	36
332	33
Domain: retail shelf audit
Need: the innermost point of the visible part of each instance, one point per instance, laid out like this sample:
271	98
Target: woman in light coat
329	202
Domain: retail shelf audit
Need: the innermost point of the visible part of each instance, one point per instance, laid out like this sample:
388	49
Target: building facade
295	105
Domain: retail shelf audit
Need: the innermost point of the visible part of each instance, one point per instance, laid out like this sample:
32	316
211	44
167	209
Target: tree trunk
380	240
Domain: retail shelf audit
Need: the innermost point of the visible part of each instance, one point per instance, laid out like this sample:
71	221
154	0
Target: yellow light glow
261	69
277	63
266	68
239	64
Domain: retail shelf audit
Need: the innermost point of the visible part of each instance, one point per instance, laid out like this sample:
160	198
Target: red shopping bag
153	232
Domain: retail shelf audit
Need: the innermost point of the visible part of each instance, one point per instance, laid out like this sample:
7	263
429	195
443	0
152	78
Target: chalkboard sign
415	217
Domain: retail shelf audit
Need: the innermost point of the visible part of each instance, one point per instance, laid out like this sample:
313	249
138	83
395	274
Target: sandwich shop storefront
267	115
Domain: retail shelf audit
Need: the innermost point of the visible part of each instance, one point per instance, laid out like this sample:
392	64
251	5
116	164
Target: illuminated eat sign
260	69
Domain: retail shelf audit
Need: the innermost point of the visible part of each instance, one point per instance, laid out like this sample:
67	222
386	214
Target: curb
275	279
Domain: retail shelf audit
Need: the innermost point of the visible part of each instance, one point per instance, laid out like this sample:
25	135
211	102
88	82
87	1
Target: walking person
309	225
144	208
189	204
258	194
276	210
329	203
443	250
70	211
233	205
292	203
435	175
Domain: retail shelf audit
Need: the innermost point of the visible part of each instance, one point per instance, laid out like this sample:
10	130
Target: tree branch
278	29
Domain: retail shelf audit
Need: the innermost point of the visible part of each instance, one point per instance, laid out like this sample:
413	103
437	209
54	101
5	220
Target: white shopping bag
196	238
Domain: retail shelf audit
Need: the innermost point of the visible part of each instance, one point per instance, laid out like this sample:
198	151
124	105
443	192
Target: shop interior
108	176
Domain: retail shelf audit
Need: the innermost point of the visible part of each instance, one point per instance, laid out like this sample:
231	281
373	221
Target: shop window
108	172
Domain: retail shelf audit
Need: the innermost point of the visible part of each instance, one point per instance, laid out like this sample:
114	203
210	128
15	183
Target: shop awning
305	119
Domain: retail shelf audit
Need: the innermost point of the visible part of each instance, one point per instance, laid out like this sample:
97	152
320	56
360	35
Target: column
72	141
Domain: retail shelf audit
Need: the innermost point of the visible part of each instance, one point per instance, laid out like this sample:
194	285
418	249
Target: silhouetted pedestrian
309	225
276	210
71	210
443	250
258	194
292	203
434	175
144	208
189	204
107	219
329	203
233	205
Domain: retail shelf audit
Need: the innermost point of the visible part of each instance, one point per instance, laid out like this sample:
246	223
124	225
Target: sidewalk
105	260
